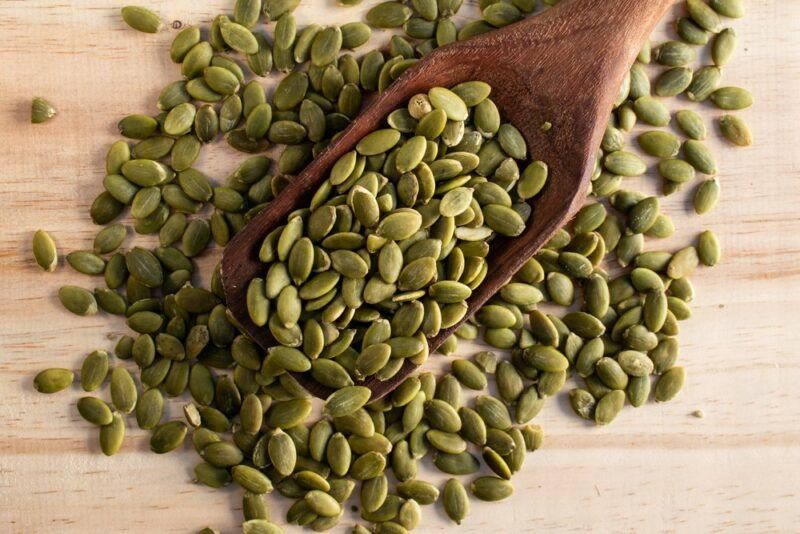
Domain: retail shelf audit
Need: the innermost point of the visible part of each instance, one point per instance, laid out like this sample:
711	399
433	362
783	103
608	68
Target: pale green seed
690	32
651	111
421	491
94	370
44	251
728	8
239	38
78	300
674	54
659	144
373	493
625	164
347	400
732	98
388	15
168	437
354	34
673	82
676	170
582	403
326	46
41	110
141	19
724	46
708	248
251	479
222	454
149	409
683	263
735	130
282	452
703	15
53	380
455	109
706	196
95	411
503	220
691	124
123	390
704	82
490	488
609	406
670	384
112	435
699	156
378	142
457	464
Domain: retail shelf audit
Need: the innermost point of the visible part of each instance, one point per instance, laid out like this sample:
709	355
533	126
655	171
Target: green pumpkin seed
123	390
44	251
609	406
53	380
489	488
388	15
676	170
239	38
699	156
723	47
251	479
457	464
221	454
624	164
690	32
150	409
706	196
78	300
669	384
95	411
673	82
732	98
41	110
735	130
347	400
355	34
660	144
455	109
704	82
141	19
94	370
422	492
708	249
703	15
112	435
326	45
167	437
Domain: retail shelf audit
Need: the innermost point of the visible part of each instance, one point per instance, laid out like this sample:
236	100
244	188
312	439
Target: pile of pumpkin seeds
394	242
248	420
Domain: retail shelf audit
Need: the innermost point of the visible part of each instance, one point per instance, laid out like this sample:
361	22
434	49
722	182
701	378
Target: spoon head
539	77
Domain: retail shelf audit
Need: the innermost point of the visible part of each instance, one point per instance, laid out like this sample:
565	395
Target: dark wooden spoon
564	66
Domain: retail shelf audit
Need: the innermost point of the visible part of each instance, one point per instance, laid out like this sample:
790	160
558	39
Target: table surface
657	468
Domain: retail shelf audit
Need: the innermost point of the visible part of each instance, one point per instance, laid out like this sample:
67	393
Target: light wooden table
655	469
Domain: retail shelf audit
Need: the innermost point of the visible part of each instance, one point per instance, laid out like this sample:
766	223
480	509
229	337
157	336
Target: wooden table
657	468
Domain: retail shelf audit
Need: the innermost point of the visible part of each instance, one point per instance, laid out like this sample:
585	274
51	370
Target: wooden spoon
564	66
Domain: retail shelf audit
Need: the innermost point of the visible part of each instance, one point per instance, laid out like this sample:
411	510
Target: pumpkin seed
141	19
112	435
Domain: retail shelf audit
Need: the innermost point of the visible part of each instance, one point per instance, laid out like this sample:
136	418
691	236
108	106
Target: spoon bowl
563	67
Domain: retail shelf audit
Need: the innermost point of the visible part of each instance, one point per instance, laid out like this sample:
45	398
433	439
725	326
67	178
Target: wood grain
521	60
655	469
